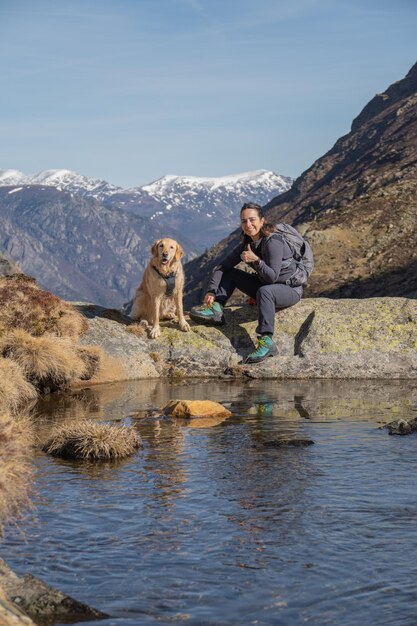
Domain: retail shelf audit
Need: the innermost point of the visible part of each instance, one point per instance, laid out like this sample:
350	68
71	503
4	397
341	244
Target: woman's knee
281	295
265	293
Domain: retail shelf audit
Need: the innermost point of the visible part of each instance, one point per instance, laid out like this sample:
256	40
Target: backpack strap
169	280
285	262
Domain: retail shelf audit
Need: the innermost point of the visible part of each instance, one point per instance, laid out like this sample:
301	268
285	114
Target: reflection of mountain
357	205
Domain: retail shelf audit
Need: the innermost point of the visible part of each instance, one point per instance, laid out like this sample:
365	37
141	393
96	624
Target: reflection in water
207	526
165	459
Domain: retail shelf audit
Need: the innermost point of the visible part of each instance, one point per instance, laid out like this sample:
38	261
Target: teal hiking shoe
265	348
211	314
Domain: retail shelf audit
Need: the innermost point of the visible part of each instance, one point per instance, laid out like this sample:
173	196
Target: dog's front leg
156	329
184	325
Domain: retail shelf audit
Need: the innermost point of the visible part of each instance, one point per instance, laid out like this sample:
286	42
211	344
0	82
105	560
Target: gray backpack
301	253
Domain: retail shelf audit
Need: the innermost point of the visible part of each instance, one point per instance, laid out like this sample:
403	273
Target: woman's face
251	223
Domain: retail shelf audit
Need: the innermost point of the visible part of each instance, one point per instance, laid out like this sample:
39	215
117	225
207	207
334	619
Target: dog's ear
154	248
179	252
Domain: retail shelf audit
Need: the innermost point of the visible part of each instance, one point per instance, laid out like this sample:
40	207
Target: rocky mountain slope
356	205
203	209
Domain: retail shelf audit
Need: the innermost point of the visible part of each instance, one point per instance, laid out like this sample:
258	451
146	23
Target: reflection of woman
263	249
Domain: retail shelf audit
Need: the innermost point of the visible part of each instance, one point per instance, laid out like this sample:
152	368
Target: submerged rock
284	442
42	603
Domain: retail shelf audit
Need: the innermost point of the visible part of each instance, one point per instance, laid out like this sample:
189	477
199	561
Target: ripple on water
207	526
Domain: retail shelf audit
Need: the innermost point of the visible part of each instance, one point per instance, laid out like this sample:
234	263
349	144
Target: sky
131	90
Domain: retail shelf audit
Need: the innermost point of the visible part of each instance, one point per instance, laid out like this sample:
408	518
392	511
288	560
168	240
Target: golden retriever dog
159	296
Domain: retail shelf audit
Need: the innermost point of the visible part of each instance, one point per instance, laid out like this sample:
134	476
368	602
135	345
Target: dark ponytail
267	228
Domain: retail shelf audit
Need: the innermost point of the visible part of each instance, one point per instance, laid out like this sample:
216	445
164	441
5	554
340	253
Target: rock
317	338
41	602
195	408
7	267
10	615
402	426
294	441
126	355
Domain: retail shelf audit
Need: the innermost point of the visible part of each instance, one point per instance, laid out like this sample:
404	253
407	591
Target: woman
263	249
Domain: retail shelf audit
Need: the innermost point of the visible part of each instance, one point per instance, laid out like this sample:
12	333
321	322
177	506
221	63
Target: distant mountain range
203	209
356	205
87	239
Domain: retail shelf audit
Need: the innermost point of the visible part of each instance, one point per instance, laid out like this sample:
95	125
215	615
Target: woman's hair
267	228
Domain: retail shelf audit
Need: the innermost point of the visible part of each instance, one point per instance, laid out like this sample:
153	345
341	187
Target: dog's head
166	251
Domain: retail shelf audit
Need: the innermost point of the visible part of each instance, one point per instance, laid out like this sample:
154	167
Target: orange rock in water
195	408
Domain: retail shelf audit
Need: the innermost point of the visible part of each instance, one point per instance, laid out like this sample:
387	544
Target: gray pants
268	297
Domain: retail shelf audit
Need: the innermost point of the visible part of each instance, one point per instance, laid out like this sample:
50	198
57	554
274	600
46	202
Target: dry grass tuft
92	357
15	390
89	440
156	357
15	467
49	363
24	305
138	330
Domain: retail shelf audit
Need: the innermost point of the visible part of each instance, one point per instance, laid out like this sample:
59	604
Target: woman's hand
208	299
248	256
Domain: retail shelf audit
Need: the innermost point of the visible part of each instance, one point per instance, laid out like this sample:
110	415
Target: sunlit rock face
317	338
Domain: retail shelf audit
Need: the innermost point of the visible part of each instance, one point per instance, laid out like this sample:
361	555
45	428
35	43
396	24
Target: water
208	526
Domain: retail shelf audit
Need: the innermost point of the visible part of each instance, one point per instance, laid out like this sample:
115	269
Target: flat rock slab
317	338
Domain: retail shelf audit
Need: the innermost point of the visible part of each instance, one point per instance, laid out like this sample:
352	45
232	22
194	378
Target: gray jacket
276	264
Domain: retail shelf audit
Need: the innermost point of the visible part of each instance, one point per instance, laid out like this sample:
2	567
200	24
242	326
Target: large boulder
317	338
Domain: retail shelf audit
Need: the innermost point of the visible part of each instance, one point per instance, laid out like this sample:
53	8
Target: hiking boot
265	348
211	314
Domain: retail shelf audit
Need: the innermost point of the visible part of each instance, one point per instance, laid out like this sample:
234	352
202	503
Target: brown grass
15	468
15	390
92	357
24	305
89	440
138	330
49	363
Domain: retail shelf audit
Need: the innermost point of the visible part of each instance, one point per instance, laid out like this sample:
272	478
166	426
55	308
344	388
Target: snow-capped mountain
87	239
204	209
64	180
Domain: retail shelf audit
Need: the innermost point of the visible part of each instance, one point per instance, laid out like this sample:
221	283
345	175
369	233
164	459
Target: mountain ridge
356	205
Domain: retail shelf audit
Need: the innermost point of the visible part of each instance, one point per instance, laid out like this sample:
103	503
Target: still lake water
207	526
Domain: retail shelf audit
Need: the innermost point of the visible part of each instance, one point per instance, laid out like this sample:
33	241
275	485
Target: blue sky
131	90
